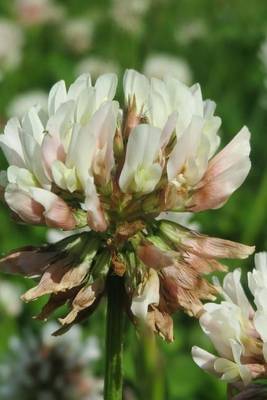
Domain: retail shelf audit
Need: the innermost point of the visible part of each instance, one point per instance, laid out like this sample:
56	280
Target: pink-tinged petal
160	322
204	265
95	214
154	258
84	299
52	149
210	247
57	213
24	205
28	261
183	287
103	125
225	173
57	278
204	359
61	122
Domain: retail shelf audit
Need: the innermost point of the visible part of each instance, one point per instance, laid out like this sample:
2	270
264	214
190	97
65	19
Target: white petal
185	148
168	130
136	84
61	122
159	108
209	108
234	290
20	176
33	156
257	279
142	149
82	83
149	295
147	178
103	124
244	371
198	100
229	370
57	96
32	125
11	145
81	151
64	177
204	359
183	102
220	323
86	106
260	322
105	86
95	215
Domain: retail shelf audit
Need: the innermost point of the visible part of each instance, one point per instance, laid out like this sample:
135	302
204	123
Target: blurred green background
219	44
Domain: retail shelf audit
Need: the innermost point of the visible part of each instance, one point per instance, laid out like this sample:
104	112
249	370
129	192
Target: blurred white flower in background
190	31
128	15
96	66
36	12
11	42
78	34
44	367
161	65
237	330
10	298
21	103
263	53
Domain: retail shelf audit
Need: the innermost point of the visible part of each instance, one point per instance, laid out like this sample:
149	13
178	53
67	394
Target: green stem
114	339
151	372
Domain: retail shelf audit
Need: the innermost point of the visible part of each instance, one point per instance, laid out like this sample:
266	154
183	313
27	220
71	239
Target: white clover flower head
51	367
37	12
129	15
78	34
10	298
20	105
263	53
10	45
237	329
195	29
111	170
